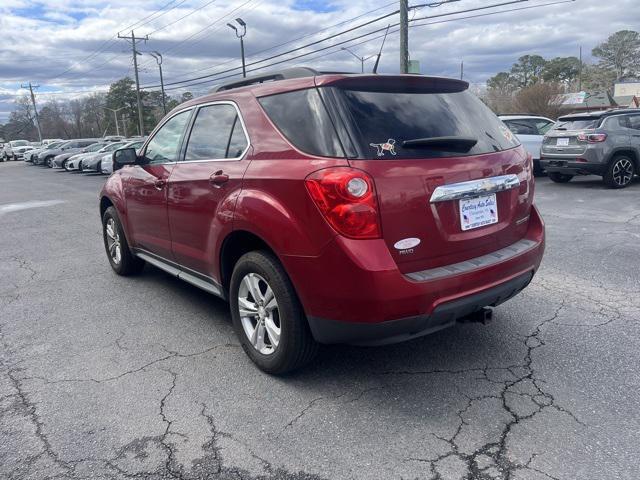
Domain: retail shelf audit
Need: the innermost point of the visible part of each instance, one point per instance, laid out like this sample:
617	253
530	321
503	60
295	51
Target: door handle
159	184
218	179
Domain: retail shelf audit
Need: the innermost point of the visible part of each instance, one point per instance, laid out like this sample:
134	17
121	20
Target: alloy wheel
622	172
259	313
113	241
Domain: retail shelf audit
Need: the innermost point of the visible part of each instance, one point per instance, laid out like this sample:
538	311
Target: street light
240	36
362	59
158	57
115	117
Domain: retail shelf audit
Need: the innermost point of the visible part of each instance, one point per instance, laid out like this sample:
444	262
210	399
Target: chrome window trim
244	130
474	188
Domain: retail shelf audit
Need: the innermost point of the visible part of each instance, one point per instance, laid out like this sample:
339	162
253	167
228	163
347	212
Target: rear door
205	183
420	146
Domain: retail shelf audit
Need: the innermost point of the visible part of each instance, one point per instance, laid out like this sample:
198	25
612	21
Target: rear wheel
120	257
99	167
560	177
620	172
267	315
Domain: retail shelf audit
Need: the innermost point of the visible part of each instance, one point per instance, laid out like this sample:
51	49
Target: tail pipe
483	316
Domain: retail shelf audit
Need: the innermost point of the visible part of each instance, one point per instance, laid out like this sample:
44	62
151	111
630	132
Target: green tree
186	96
598	78
122	94
564	70
621	53
528	70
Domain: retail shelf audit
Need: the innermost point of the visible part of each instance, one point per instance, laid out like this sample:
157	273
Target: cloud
71	45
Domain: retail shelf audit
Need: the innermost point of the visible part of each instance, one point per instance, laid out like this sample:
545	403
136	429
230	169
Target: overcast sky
71	46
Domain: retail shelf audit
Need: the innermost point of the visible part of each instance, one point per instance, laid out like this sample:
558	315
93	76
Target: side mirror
124	156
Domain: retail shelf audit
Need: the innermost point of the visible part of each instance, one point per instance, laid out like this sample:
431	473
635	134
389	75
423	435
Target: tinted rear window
381	121
577	123
304	121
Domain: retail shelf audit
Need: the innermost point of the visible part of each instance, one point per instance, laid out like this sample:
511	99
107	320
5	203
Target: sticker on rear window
508	134
388	146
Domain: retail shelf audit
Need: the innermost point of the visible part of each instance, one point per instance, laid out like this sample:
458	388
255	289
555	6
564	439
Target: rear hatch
563	139
415	134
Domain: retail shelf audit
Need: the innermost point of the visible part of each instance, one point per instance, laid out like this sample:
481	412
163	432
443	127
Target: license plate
562	142
478	212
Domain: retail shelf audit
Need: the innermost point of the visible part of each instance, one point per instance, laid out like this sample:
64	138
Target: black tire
296	346
80	166
64	165
46	161
129	264
560	177
99	167
620	172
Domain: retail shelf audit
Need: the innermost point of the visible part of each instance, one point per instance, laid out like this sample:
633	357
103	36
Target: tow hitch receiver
483	316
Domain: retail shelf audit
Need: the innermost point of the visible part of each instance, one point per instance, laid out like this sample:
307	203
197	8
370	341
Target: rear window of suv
378	122
383	120
577	123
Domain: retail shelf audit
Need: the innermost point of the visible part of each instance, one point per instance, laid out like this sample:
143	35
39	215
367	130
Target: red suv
330	208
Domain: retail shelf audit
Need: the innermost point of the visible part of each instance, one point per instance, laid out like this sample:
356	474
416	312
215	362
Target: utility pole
404	36
115	117
133	39
462	70
35	109
580	72
158	56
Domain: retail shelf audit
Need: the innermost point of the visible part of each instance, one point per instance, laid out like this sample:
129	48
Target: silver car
88	161
106	165
60	161
530	130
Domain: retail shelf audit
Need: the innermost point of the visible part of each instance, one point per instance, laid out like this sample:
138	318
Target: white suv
8	152
530	130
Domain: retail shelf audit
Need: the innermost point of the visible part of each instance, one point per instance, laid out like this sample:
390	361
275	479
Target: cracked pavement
112	378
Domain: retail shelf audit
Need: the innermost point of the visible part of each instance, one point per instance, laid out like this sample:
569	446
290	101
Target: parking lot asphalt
108	377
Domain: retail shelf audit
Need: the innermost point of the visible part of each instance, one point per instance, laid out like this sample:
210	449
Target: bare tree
540	99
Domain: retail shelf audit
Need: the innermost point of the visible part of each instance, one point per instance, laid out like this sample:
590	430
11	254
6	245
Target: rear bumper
571	166
394	331
353	292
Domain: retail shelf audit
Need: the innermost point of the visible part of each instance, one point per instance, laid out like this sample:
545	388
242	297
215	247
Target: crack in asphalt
496	450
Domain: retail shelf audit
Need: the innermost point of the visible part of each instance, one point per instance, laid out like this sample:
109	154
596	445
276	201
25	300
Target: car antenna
375	67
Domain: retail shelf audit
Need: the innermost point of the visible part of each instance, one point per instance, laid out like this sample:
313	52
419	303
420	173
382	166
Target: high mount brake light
592	137
346	198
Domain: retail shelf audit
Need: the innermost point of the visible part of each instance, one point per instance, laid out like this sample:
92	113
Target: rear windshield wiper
449	144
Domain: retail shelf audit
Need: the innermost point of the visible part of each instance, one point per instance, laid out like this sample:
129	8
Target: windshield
112	146
382	121
19	143
577	123
95	147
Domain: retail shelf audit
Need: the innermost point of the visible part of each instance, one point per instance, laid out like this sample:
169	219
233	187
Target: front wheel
620	172
65	166
267	315
120	257
560	177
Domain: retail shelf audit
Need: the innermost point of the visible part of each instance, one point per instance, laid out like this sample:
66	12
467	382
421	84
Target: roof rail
297	72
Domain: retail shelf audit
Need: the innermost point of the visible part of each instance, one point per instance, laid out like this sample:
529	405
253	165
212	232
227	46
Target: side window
163	147
634	122
216	134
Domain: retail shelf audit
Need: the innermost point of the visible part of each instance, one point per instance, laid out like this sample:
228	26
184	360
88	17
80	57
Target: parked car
31	155
48	141
530	130
8	152
70	146
599	143
94	163
98	164
60	161
19	152
79	163
330	208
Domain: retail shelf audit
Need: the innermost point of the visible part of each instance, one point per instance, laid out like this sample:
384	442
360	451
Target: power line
182	18
290	41
218	78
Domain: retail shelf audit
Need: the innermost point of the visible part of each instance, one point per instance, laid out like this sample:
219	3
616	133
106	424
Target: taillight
592	137
347	199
